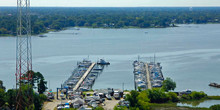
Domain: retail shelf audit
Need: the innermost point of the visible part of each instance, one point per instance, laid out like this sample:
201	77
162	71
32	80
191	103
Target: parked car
116	95
108	96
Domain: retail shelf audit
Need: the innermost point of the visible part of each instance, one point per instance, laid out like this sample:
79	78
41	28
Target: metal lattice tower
23	53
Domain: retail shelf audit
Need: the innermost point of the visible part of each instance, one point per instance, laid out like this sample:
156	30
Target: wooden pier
148	77
83	77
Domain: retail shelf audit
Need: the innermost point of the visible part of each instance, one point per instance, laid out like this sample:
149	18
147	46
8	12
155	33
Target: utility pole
24	72
123	86
154	59
138	58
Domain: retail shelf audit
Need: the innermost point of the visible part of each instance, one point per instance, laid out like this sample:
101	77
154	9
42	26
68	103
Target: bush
98	108
132	98
194	96
10	97
2	97
197	95
143	101
185	97
173	97
214	97
138	100
215	107
157	96
120	108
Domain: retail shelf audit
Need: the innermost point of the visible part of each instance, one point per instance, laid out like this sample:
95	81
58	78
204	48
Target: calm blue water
206	103
190	55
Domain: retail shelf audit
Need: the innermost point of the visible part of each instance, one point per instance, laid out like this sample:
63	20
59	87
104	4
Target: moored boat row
156	75
140	78
84	75
90	79
147	75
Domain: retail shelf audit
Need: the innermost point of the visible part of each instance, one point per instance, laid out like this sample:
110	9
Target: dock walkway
148	77
83	77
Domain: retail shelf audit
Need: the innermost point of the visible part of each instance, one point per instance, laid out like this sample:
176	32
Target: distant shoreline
129	27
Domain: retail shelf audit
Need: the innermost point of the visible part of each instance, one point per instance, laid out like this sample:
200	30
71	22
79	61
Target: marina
89	77
176	60
83	77
147	75
188	46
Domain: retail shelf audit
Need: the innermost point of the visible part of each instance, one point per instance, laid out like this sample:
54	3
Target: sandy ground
51	105
110	104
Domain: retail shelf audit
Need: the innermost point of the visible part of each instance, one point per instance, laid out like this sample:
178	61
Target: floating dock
140	76
78	75
147	75
149	86
84	76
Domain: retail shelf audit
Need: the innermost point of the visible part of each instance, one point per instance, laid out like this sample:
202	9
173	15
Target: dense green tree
42	86
197	95
138	100
1	85
168	84
143	101
25	90
38	78
59	18
10	98
39	100
133	98
156	95
186	97
173	97
2	97
194	96
215	107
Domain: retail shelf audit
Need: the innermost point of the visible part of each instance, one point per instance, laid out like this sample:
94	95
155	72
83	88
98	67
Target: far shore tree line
45	19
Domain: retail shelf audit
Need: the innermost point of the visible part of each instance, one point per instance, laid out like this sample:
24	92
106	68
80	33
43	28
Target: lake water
205	103
190	55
